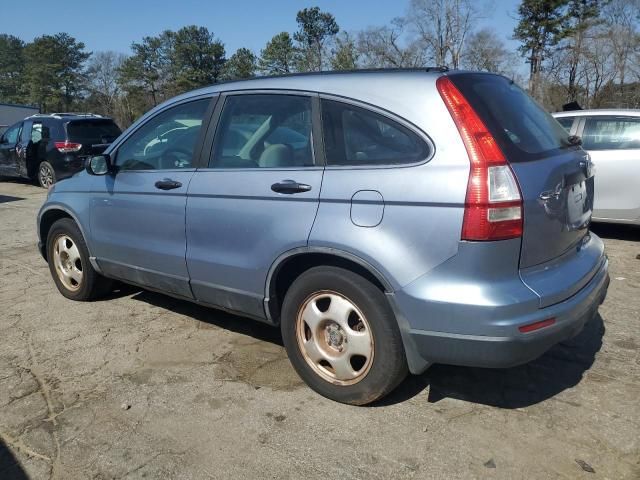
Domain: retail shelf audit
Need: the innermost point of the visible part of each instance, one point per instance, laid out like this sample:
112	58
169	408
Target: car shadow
9	465
561	368
218	318
616	231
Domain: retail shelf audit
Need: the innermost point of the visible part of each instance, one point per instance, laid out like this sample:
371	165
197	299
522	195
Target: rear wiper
574	140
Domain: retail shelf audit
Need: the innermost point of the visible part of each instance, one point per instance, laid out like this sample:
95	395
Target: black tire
45	175
92	285
388	366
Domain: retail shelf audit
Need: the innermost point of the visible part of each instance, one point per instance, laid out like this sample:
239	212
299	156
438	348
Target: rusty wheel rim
334	338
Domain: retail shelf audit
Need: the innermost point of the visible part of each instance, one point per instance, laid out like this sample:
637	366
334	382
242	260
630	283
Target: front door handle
290	186
167	184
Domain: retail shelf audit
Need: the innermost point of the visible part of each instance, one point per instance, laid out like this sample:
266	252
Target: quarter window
264	131
611	133
165	142
566	122
355	136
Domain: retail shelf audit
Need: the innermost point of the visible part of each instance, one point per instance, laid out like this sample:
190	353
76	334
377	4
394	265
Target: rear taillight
68	147
493	206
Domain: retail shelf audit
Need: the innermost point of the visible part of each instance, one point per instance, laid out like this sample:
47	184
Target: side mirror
99	165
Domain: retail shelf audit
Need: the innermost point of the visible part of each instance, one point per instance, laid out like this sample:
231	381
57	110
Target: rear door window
358	137
97	131
611	133
524	130
264	131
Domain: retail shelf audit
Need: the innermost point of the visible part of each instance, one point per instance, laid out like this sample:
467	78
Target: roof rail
60	116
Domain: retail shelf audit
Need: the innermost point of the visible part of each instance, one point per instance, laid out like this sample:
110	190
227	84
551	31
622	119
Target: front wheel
69	263
46	175
342	336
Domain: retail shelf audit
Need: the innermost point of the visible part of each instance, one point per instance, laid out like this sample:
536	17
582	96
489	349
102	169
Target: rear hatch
95	134
554	175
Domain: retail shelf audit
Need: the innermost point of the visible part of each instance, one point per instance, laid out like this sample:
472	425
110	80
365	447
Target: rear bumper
68	165
483	331
484	351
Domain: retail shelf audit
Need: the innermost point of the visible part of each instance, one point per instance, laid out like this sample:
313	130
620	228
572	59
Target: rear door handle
167	184
290	186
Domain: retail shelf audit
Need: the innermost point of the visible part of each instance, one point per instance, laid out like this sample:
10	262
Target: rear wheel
46	175
69	263
342	337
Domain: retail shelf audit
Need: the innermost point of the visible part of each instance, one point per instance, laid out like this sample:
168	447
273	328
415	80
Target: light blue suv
385	220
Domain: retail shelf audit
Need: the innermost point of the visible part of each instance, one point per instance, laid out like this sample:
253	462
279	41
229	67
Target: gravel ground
140	385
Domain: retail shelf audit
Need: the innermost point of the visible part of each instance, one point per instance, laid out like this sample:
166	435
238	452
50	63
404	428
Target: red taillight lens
68	147
493	206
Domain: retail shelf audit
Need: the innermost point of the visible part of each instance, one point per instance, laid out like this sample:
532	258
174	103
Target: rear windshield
524	130
97	131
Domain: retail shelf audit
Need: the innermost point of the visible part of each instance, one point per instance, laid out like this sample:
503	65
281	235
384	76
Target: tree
278	56
315	28
54	70
443	27
196	57
11	69
486	51
102	82
242	64
541	26
582	16
389	46
146	70
345	55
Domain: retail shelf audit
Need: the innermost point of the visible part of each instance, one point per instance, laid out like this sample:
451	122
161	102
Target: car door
254	199
138	213
8	150
614	145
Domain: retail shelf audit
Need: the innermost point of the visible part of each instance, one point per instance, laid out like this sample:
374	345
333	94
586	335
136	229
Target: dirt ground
140	385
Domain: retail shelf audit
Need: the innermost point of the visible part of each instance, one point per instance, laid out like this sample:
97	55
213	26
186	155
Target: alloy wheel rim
67	262
46	176
335	338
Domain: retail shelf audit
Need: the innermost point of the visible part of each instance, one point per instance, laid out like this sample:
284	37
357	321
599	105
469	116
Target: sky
115	24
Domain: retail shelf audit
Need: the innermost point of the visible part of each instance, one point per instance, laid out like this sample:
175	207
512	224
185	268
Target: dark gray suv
385	221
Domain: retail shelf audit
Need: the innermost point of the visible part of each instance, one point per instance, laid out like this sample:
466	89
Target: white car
612	138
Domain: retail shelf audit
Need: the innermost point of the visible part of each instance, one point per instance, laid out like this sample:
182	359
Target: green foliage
278	56
11	68
196	57
315	28
345	55
541	26
54	71
242	64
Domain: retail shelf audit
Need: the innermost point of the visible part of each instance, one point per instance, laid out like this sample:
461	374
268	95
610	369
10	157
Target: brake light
68	147
493	205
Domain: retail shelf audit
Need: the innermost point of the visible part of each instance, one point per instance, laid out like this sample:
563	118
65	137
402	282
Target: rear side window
357	137
98	131
566	122
611	133
524	130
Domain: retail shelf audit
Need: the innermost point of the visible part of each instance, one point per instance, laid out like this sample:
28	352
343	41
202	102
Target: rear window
524	130
98	131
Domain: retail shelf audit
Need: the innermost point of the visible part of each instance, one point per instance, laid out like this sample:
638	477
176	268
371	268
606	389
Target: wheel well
48	219
294	266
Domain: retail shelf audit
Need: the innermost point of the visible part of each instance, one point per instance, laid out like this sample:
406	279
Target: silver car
612	138
384	221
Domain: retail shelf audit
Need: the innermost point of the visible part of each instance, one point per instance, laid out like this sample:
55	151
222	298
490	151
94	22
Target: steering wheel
169	159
